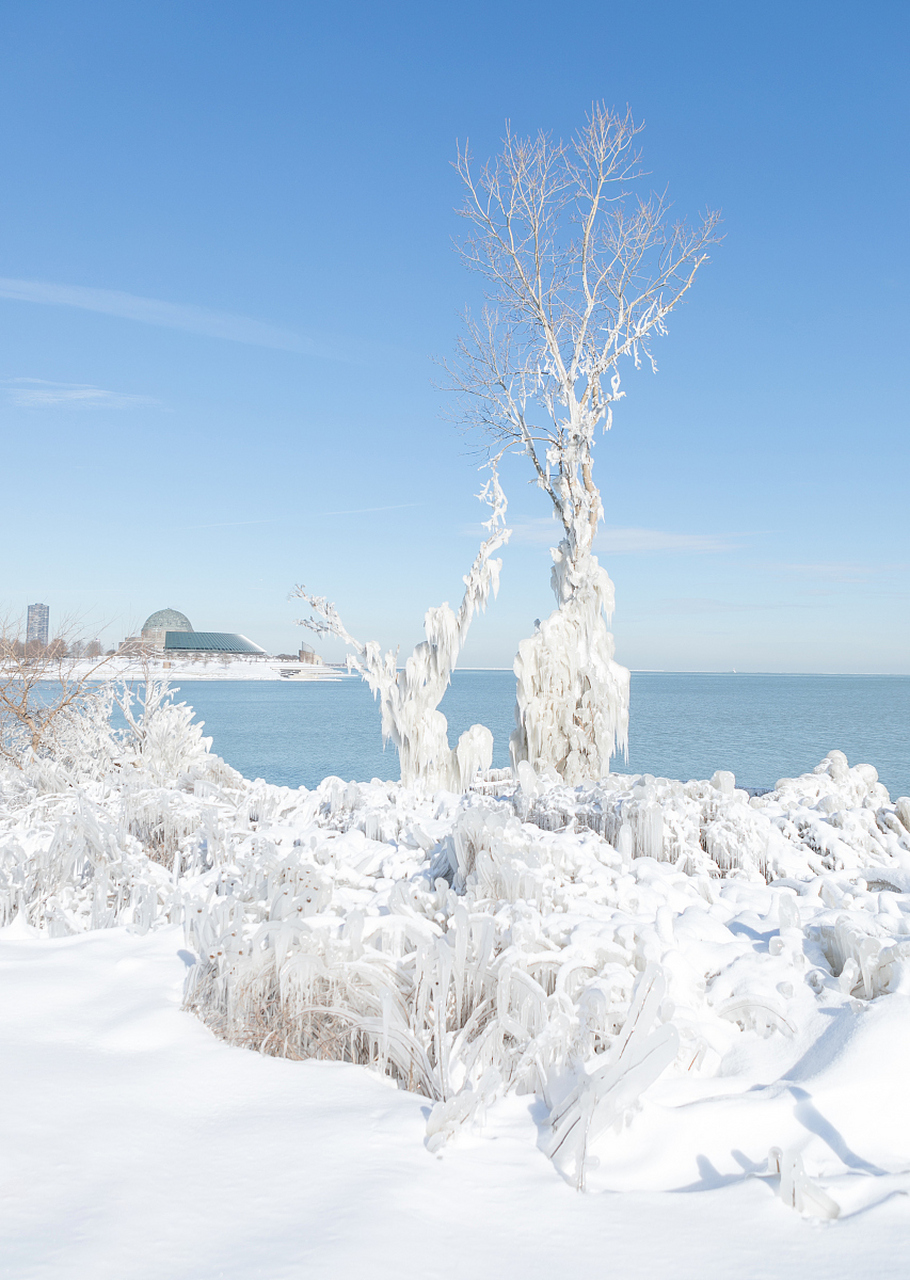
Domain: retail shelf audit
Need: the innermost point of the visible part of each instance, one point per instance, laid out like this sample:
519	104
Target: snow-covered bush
82	822
491	944
588	946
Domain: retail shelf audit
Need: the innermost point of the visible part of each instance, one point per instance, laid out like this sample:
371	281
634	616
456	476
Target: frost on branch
641	1054
409	698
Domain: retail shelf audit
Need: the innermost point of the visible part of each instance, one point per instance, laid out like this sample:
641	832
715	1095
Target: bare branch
40	687
581	273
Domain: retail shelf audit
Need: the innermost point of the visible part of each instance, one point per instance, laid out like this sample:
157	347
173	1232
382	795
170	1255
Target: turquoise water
683	725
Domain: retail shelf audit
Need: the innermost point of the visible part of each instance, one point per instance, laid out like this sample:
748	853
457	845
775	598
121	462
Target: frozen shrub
554	941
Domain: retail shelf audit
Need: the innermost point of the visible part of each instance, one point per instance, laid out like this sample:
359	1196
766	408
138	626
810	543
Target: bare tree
581	275
40	688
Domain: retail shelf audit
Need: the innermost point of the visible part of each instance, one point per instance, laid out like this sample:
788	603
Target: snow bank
622	953
137	1144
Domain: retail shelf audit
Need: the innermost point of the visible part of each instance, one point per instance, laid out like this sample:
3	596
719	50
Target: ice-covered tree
409	697
581	273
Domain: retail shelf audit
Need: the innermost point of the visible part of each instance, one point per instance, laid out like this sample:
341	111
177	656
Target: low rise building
170	632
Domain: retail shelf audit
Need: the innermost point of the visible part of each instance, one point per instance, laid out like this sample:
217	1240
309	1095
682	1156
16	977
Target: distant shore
222	667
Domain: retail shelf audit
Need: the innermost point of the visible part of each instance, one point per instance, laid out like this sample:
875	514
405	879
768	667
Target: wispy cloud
844	573
359	511
231	524
619	541
705	604
168	315
624	541
363	511
35	393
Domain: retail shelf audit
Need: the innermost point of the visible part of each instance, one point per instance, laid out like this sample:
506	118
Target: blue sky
226	267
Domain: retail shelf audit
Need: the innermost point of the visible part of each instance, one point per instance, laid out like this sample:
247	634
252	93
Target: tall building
37	626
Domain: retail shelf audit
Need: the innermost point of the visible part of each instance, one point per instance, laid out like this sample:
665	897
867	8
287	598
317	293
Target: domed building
172	631
156	627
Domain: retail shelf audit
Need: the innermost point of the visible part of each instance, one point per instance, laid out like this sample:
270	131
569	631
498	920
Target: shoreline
257	669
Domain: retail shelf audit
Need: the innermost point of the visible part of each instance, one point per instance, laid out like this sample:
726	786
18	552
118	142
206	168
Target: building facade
36	627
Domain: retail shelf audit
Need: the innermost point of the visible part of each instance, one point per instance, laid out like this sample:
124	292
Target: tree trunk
572	710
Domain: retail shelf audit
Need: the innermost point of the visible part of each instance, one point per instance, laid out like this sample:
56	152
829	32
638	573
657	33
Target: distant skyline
226	270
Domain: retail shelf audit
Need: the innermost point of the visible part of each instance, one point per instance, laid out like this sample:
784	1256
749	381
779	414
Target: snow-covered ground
136	1144
691	1002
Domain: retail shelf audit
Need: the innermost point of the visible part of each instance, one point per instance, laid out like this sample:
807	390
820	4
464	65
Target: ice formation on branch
464	949
572	698
409	698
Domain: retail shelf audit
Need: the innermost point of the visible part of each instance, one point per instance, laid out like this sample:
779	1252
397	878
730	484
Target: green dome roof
167	620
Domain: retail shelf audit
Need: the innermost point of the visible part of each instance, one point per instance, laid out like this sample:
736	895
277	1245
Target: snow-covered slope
136	1144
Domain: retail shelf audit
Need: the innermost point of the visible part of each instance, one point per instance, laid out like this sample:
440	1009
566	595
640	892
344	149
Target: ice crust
625	944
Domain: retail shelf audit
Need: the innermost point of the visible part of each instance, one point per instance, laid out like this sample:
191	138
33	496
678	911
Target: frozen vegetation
666	976
409	697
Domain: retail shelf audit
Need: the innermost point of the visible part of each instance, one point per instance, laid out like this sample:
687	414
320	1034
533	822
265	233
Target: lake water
683	725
